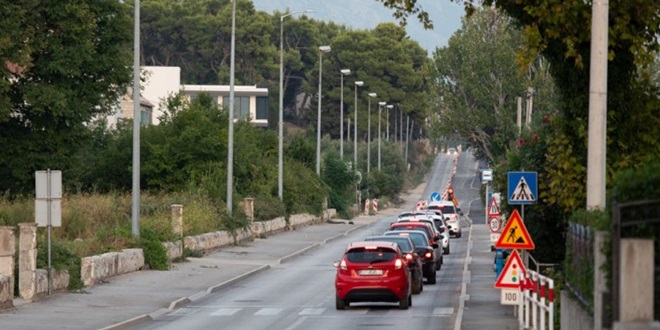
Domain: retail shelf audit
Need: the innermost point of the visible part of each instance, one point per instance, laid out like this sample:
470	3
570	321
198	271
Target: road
299	294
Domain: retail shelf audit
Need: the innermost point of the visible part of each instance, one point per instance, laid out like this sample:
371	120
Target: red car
373	271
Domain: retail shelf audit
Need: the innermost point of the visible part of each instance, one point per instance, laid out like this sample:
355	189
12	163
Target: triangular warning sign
512	273
493	210
522	193
515	234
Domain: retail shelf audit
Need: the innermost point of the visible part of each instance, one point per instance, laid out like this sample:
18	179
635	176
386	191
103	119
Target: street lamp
230	143
369	133
357	84
322	49
389	107
344	72
380	105
281	112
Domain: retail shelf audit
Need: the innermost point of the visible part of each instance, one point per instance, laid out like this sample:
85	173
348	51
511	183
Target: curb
129	323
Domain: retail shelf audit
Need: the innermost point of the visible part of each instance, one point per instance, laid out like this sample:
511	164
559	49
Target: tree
477	83
71	64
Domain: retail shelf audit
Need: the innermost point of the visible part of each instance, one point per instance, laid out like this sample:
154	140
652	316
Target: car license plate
371	272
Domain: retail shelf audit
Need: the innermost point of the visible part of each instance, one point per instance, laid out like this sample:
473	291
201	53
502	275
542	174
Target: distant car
373	271
451	151
414	260
429	230
423	249
451	214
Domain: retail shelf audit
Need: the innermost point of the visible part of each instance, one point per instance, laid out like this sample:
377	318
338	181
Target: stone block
297	220
6	296
209	241
95	268
174	249
636	286
28	236
130	260
7	265
7	241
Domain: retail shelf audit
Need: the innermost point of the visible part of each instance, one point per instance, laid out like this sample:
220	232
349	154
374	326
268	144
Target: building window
262	108
145	116
241	106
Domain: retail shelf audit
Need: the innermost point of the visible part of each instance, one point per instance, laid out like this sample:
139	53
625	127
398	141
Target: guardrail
538	301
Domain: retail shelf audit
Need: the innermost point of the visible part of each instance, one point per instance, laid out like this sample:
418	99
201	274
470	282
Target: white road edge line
466	276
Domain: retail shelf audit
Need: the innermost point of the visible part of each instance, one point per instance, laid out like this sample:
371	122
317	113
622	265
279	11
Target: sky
366	14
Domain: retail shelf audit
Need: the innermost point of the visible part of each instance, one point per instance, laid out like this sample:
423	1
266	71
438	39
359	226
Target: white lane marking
464	296
268	311
441	311
312	311
226	311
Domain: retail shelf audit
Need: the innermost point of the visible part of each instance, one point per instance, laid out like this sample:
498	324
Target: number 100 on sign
510	297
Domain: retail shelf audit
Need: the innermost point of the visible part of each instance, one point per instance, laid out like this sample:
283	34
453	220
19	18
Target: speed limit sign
494	224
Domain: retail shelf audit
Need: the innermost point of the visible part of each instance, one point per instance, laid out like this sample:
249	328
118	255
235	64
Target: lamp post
389	107
343	72
280	123
230	143
357	84
135	207
380	107
369	133
322	49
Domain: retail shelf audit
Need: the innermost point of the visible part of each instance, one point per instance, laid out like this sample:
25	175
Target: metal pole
369	134
280	124
396	127
407	132
379	136
135	210
519	121
49	199
355	133
596	160
487	202
341	118
401	133
230	143
388	124
318	119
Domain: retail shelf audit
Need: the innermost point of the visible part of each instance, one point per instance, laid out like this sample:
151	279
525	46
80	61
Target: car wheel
417	285
404	303
447	250
340	303
459	234
421	283
431	278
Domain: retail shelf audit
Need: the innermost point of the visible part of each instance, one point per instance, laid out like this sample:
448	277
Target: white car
436	220
451	215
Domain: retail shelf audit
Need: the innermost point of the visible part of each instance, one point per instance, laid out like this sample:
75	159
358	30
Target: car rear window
445	209
404	244
413	227
362	255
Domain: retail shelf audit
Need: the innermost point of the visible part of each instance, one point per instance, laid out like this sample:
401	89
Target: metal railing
537	306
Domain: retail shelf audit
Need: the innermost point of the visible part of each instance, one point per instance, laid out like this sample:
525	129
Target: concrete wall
96	268
7	251
573	316
265	228
60	282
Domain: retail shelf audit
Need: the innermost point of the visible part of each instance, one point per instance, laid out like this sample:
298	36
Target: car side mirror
435	245
441	230
436	237
461	213
335	264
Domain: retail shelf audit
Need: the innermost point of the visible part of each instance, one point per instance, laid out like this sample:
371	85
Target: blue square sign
522	188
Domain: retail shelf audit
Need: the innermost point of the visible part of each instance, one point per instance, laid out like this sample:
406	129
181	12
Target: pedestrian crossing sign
522	188
512	273
515	234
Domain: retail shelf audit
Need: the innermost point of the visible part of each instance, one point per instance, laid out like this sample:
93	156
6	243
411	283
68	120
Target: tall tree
73	62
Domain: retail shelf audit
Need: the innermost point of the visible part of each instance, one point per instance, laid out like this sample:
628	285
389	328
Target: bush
62	258
155	254
267	207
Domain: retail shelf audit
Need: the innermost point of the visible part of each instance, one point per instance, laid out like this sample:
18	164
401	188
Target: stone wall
265	228
60	282
6	298
96	268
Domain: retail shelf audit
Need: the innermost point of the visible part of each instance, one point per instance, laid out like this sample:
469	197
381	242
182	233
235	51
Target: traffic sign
494	224
435	197
522	187
487	175
512	273
493	209
510	296
515	234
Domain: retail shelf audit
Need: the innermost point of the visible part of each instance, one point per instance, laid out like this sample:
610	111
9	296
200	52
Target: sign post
48	209
486	177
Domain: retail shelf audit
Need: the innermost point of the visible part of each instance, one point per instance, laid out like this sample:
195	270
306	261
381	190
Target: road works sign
493	209
515	234
522	187
512	273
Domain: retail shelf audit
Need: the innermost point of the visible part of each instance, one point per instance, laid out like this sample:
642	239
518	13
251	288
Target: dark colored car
431	233
415	262
426	251
373	271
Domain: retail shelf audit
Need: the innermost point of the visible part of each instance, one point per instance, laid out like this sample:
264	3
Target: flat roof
224	90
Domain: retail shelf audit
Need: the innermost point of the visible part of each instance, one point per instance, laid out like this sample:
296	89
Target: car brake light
342	265
428	255
409	257
398	264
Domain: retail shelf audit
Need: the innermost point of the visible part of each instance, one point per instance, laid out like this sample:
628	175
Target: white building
162	82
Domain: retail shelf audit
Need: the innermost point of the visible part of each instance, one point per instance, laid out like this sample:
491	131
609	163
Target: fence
537	306
580	264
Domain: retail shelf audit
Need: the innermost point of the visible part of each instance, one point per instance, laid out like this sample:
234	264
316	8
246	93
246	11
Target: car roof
388	238
410	232
442	203
377	244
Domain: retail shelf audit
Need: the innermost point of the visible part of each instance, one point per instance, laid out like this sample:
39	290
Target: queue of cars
391	267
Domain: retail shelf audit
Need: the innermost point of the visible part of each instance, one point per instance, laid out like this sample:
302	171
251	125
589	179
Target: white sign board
487	175
47	205
510	296
494	237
